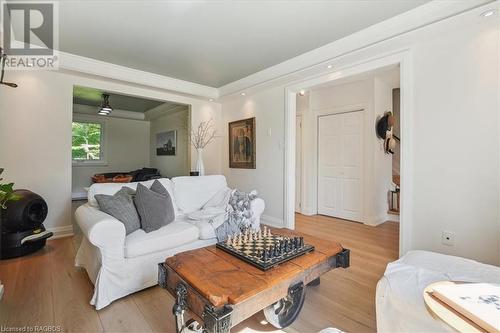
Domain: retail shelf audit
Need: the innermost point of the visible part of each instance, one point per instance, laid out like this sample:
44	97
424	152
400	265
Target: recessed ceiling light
242	94
329	66
488	13
211	100
302	92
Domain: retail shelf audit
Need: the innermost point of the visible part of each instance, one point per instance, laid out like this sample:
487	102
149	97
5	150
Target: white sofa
119	264
399	300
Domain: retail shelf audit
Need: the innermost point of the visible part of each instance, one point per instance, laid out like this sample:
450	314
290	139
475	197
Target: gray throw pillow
121	206
154	206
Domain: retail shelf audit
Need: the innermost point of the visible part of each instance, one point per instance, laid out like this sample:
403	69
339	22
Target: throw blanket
239	215
229	212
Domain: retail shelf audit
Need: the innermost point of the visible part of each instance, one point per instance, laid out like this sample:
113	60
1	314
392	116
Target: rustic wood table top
224	279
214	284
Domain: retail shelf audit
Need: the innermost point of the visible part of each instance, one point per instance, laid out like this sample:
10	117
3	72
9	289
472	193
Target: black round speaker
27	213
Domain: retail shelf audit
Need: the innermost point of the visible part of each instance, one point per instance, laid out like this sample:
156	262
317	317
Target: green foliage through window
86	142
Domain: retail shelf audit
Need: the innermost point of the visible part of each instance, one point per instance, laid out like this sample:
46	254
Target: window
87	144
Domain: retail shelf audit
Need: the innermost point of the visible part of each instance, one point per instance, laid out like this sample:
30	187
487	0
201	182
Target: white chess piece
229	240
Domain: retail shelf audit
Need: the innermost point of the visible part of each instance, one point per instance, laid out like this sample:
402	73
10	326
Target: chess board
252	251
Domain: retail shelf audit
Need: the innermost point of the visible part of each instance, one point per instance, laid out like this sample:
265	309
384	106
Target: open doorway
344	169
123	138
344	74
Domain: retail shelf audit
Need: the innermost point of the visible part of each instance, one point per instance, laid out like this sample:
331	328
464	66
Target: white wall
35	132
126	149
455	180
267	178
178	165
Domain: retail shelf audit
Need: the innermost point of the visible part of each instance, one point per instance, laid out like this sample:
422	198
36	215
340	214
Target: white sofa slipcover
119	264
399	299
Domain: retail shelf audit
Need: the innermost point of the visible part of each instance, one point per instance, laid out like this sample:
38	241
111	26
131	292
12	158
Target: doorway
310	193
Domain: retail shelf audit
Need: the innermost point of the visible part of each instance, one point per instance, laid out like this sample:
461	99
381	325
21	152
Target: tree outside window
86	141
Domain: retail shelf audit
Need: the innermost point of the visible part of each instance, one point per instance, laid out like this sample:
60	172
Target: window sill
89	163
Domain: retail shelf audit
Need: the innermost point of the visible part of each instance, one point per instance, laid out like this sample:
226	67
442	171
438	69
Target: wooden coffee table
223	290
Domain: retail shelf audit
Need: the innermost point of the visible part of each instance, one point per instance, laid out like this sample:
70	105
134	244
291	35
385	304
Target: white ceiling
212	42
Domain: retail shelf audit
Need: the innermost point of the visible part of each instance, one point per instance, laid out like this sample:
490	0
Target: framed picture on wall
242	144
166	143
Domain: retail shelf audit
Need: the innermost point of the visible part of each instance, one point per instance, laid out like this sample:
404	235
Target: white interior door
340	165
298	164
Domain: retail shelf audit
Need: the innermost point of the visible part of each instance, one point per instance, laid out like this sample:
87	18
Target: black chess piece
264	255
301	241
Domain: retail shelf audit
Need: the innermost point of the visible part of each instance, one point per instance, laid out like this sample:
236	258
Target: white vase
199	162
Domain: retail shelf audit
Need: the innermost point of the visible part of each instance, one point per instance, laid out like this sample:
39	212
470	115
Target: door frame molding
298	118
403	59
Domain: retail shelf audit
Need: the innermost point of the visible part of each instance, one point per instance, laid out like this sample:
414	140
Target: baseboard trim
308	211
393	218
272	221
376	220
64	231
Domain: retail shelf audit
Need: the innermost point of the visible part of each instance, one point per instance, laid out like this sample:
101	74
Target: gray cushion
154	206
121	206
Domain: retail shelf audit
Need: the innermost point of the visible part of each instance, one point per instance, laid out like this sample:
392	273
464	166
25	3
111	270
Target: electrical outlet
448	238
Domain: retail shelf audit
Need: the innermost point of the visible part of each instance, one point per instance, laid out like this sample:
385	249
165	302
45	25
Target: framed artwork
242	144
166	143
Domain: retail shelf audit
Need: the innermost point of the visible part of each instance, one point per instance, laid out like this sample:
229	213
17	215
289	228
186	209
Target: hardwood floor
46	289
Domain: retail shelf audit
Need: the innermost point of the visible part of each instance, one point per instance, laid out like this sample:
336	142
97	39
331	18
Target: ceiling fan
3	58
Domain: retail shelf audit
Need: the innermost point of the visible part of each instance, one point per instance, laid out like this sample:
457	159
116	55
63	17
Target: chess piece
269	233
265	231
301	241
229	240
240	240
259	235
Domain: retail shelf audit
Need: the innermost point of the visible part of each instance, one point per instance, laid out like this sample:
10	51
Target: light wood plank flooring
46	289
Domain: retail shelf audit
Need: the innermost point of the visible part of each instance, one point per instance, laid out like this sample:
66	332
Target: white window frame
103	161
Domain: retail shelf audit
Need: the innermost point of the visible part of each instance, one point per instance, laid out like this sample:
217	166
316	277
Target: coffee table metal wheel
284	312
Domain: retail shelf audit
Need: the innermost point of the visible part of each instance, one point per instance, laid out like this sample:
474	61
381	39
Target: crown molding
315	61
85	65
161	111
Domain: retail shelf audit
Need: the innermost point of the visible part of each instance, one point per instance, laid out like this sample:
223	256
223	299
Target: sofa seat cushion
170	236
205	229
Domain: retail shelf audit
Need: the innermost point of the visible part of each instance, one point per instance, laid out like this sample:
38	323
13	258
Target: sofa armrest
103	231
257	206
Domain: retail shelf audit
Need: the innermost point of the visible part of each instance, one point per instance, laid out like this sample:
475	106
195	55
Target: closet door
340	165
